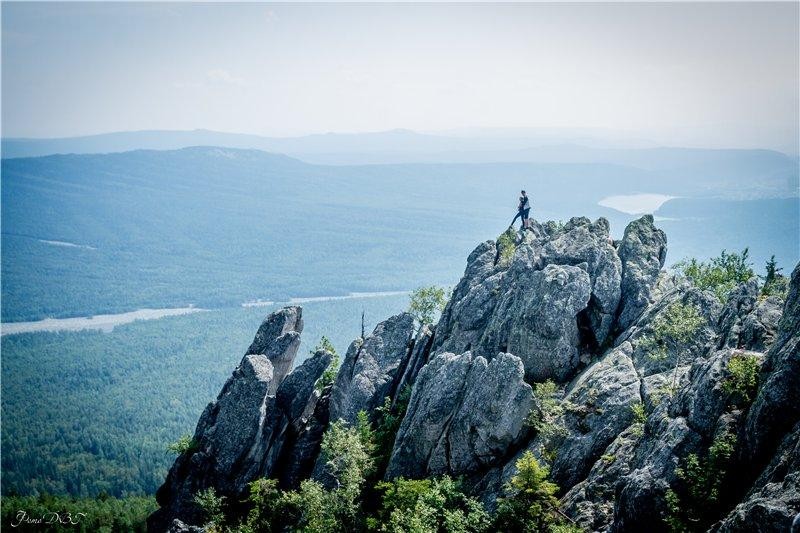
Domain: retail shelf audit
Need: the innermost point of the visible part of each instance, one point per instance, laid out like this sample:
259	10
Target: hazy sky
690	73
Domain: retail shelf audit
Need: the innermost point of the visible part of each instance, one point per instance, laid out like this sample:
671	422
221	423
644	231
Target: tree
530	503
329	375
719	274
775	284
427	303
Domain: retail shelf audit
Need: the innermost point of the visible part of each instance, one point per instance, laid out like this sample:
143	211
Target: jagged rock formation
564	303
253	423
372	368
463	415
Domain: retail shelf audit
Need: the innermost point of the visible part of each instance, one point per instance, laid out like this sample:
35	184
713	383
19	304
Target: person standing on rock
523	209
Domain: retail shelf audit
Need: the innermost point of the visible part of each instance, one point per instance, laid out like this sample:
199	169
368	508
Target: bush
529	503
720	274
429	506
506	246
775	284
183	445
545	416
329	375
639	413
696	505
742	379
211	504
676	327
427	303
389	419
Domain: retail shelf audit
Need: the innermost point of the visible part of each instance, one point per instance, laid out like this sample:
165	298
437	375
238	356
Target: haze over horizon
699	75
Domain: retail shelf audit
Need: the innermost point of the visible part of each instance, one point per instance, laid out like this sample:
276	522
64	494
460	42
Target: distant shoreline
108	322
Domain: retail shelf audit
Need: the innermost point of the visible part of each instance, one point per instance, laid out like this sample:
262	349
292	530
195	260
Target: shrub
529	503
389	419
211	504
427	303
719	274
742	379
183	445
775	284
639	413
272	510
676	327
547	410
696	505
428	505
329	375
506	246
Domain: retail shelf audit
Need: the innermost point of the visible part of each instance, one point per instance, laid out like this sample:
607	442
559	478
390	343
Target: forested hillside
90	234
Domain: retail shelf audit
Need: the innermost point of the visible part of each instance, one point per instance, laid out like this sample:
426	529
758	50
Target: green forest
88	413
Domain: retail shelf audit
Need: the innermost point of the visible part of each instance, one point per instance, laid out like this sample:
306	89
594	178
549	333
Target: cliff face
566	304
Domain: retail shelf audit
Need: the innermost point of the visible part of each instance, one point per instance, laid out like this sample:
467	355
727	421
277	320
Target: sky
692	74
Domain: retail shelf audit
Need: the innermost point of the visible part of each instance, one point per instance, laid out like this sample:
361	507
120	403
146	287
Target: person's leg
525	219
518	215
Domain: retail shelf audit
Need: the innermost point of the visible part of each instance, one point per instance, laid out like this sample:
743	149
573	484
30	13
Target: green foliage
212	506
741	381
530	502
428	506
329	375
389	419
272	510
775	284
547	410
696	504
427	303
184	444
506	246
108	404
719	274
348	454
639	413
102	514
676	326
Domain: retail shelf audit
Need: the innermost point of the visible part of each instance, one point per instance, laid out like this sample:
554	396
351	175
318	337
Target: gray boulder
642	252
465	415
535	319
278	338
587	243
372	369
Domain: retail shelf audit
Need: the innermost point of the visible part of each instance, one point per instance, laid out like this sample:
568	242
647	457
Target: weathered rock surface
241	434
536	319
464	415
278	338
774	501
372	369
642	251
565	303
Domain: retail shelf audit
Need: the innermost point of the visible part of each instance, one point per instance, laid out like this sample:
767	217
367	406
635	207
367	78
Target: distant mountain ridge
406	146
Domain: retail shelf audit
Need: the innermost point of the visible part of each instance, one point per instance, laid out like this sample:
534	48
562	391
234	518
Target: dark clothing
524	204
522	213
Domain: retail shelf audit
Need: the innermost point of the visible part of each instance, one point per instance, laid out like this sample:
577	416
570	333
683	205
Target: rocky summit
622	378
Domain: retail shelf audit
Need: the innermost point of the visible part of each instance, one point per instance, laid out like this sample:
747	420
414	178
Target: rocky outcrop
373	368
464	415
253	422
536	318
551	300
561	302
747	320
642	252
